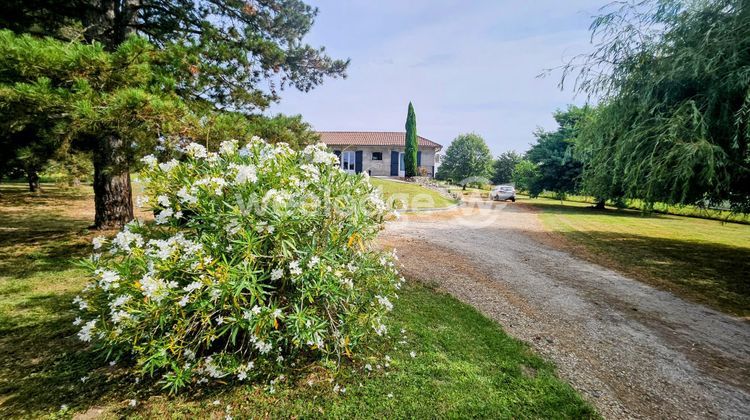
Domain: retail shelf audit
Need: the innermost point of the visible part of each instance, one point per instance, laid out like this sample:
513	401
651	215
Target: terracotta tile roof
371	138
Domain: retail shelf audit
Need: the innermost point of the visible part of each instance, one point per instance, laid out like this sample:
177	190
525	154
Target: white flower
390	395
184	301
109	279
168	166
82	304
189	354
84	378
133	403
276	273
233	227
263	347
98	241
313	261
193	286
256	309
385	302
149	160
77	321
186	197
88	328
228	147
368	367
220	320
196	150
379	328
163	216
163	200
119	316
413	354
125	239
119	301
294	268
154	288
276	313
245	173
349	283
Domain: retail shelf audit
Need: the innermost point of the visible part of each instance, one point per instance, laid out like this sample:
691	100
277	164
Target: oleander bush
259	258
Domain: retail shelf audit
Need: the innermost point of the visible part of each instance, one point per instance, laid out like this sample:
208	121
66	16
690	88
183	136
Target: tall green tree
502	167
219	55
558	166
412	145
673	78
67	95
525	174
466	159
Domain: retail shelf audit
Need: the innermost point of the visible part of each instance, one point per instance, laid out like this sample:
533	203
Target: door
401	167
394	163
348	160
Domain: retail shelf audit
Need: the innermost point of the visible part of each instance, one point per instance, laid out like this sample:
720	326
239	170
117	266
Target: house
379	153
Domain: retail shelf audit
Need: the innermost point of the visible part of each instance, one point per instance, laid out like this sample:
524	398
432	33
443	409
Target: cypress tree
410	151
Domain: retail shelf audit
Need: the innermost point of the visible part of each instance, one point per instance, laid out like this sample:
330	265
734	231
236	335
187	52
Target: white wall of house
382	166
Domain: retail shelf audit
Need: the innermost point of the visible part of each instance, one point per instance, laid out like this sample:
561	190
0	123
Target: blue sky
468	66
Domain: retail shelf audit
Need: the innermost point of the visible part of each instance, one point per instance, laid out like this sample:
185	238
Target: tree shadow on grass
589	210
41	360
706	272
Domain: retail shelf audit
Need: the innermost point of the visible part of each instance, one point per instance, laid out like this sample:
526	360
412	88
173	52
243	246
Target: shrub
258	257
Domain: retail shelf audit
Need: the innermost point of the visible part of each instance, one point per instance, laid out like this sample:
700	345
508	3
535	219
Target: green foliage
412	144
558	167
674	122
467	157
525	174
231	54
502	167
60	96
259	258
292	130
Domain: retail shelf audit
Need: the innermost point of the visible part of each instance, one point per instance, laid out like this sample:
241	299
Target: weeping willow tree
673	82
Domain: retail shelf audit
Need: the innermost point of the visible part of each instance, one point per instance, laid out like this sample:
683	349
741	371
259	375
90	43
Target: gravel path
630	349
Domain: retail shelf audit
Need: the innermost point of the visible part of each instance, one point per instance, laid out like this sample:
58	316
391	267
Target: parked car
503	192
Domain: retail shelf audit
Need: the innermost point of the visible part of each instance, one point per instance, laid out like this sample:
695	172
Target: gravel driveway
630	349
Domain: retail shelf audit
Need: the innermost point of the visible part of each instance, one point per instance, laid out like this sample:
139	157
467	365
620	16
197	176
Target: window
348	159
377	155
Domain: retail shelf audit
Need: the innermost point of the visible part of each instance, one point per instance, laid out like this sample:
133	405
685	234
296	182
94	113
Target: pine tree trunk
600	204
33	177
113	197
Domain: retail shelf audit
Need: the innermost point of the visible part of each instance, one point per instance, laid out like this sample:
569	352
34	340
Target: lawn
464	365
707	261
410	196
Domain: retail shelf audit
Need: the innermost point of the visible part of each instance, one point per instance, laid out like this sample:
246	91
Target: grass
686	210
412	196
706	261
465	365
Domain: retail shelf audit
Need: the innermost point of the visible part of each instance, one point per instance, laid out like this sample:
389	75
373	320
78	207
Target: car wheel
513	199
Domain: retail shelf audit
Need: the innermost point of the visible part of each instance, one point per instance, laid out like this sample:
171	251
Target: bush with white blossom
259	256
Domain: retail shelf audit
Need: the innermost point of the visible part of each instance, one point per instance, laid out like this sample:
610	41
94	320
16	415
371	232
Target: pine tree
410	151
218	55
